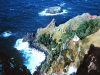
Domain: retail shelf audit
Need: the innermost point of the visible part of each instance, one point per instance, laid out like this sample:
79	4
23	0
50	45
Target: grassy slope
92	39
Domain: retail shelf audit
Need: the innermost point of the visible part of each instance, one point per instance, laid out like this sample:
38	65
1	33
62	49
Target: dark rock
52	24
29	37
73	73
91	62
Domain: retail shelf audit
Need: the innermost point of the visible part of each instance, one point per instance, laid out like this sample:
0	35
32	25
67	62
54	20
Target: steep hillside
68	43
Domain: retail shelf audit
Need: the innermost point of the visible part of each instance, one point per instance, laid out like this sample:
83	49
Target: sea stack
54	10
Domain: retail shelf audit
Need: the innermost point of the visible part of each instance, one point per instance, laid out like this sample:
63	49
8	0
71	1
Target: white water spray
72	70
6	34
33	57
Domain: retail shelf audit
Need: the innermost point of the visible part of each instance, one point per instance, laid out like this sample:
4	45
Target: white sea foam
72	70
20	45
6	34
62	4
33	57
43	13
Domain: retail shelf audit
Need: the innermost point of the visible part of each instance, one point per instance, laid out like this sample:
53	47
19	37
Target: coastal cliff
67	46
91	62
68	43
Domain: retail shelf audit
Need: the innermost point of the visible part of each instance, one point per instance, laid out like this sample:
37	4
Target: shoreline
46	54
39	48
32	44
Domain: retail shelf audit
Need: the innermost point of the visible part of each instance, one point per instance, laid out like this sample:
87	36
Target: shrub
70	33
53	43
55	57
44	39
58	48
88	27
84	29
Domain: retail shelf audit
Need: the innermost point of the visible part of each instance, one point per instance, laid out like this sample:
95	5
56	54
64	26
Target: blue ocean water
20	17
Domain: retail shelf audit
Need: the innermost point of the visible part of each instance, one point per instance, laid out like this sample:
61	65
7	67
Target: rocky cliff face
91	62
65	54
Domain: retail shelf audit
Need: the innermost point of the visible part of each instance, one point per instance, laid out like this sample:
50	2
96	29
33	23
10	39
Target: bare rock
91	62
54	10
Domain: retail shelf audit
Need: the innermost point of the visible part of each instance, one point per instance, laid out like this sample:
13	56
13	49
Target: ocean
19	17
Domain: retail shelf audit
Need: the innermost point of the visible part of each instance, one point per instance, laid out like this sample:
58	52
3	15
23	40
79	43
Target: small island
54	10
51	11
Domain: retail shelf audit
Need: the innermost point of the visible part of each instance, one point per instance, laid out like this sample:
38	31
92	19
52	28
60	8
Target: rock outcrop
49	28
91	62
87	29
54	10
72	24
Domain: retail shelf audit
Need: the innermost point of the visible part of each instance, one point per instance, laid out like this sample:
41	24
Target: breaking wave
72	70
33	57
6	34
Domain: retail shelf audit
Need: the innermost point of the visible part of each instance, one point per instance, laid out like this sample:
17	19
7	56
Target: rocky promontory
68	44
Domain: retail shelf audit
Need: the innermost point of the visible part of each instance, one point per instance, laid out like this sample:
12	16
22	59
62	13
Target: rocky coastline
67	45
78	48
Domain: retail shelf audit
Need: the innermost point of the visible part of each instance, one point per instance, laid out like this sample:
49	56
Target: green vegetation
84	29
88	27
55	46
54	49
50	43
46	40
